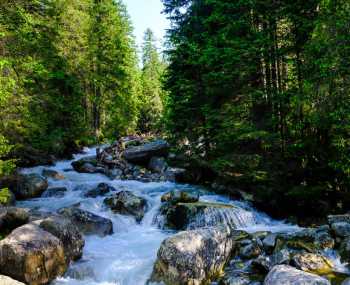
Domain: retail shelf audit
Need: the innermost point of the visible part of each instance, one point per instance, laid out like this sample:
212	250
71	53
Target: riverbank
98	229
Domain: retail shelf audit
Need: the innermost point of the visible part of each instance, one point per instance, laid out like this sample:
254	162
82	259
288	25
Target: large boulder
202	214
126	203
287	275
30	186
143	153
5	280
32	255
62	228
50	173
7	198
87	222
193	257
313	263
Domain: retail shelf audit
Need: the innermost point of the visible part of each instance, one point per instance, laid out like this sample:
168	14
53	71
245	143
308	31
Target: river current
127	256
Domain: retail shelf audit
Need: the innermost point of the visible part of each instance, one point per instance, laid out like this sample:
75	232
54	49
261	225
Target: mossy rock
7	198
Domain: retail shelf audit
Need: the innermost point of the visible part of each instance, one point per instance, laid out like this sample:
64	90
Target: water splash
127	256
233	218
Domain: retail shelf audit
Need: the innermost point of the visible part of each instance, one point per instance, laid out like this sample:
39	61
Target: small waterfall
233	217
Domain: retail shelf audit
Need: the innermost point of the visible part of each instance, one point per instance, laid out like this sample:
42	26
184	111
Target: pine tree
152	96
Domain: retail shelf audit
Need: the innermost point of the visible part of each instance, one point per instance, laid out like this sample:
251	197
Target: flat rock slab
144	152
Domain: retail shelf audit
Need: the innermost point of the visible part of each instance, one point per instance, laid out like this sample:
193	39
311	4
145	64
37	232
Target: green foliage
68	74
152	93
266	79
5	197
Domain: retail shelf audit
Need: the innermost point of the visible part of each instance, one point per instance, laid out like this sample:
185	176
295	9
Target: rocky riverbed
119	215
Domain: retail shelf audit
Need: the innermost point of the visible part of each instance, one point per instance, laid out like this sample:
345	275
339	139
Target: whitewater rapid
127	256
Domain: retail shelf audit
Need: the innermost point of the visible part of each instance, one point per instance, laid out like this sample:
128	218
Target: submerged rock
287	275
87	222
32	255
67	233
101	190
193	257
30	186
126	203
57	192
50	173
5	280
143	153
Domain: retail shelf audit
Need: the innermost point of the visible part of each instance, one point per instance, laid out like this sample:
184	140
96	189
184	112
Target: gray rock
346	282
269	242
143	153
57	192
235	278
250	251
287	275
32	255
50	173
313	263
126	203
193	257
62	228
157	164
341	229
87	222
4	280
280	257
30	186
101	190
262	264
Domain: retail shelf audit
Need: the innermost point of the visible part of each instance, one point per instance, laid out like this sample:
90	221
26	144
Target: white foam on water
127	256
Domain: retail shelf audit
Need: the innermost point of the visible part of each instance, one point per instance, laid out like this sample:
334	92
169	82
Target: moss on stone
6	197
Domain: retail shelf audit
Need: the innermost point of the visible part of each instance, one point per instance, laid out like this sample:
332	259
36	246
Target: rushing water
127	256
